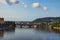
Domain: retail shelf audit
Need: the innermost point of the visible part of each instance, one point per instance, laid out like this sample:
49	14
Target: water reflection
28	34
10	30
1	33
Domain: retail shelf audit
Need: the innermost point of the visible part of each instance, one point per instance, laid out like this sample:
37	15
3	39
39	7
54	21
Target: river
28	34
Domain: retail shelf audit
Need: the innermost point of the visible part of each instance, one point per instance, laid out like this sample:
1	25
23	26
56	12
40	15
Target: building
1	20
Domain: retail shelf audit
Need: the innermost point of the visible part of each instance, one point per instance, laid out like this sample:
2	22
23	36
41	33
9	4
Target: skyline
28	10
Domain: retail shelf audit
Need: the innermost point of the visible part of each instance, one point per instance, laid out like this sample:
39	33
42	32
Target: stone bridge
29	24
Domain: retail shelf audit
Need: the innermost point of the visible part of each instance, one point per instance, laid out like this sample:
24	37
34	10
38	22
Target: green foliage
56	24
9	22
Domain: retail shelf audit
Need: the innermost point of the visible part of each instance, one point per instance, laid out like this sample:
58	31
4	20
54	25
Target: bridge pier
20	26
30	26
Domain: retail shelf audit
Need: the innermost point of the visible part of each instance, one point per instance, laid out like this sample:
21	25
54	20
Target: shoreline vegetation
7	25
49	23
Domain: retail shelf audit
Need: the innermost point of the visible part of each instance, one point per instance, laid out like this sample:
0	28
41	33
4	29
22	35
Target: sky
28	10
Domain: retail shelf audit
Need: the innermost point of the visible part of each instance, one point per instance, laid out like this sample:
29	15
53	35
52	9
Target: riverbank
7	25
56	29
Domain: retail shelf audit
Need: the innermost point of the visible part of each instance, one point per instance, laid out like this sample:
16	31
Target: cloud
35	5
13	1
9	2
25	5
4	2
45	8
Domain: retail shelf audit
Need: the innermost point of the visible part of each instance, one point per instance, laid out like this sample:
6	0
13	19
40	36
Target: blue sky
28	10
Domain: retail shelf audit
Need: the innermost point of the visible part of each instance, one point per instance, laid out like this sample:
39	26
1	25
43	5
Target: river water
28	34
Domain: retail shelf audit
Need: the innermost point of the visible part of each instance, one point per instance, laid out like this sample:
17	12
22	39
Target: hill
47	19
